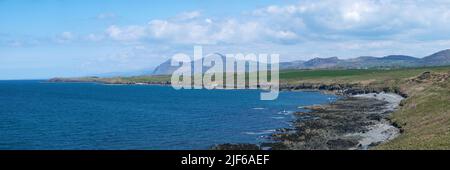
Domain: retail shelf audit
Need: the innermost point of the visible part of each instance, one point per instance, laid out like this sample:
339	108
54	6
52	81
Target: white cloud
188	15
65	37
306	21
201	31
106	16
128	33
373	26
368	16
94	37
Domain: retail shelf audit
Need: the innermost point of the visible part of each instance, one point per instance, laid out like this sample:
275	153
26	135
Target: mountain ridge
439	58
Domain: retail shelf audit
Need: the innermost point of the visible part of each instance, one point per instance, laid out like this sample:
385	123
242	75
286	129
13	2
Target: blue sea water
40	115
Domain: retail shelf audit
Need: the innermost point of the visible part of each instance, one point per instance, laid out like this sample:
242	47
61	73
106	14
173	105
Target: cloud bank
297	31
306	21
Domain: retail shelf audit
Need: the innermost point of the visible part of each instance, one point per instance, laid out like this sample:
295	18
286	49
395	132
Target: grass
425	119
296	76
348	76
147	79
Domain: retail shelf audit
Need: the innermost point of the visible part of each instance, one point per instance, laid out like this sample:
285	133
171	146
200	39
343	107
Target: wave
285	112
261	132
277	117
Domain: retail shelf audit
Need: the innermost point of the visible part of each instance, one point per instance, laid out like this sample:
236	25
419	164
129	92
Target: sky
65	38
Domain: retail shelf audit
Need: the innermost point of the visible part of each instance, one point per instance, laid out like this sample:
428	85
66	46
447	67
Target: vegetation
353	76
424	116
294	76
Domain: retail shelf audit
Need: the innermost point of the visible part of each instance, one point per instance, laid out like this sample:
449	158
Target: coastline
383	130
424	89
359	121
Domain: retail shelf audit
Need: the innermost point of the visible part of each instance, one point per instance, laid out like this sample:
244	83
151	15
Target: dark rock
424	75
241	146
274	146
376	117
342	143
331	123
374	144
314	108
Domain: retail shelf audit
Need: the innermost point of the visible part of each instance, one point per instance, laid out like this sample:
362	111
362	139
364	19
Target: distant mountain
354	63
166	68
363	62
399	58
374	62
292	65
438	59
317	63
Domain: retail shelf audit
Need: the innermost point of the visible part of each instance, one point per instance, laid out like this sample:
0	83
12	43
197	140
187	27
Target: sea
36	115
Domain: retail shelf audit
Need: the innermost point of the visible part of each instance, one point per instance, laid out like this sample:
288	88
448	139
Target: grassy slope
425	114
424	117
354	76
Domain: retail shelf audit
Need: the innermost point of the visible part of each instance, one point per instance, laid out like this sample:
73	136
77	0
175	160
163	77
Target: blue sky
44	38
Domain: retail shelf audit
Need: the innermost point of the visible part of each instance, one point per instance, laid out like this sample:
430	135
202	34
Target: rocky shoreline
343	89
352	122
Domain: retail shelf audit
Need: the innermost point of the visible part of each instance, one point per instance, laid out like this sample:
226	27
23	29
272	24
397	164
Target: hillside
424	116
440	58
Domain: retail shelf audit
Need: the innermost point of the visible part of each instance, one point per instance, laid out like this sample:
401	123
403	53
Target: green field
292	76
